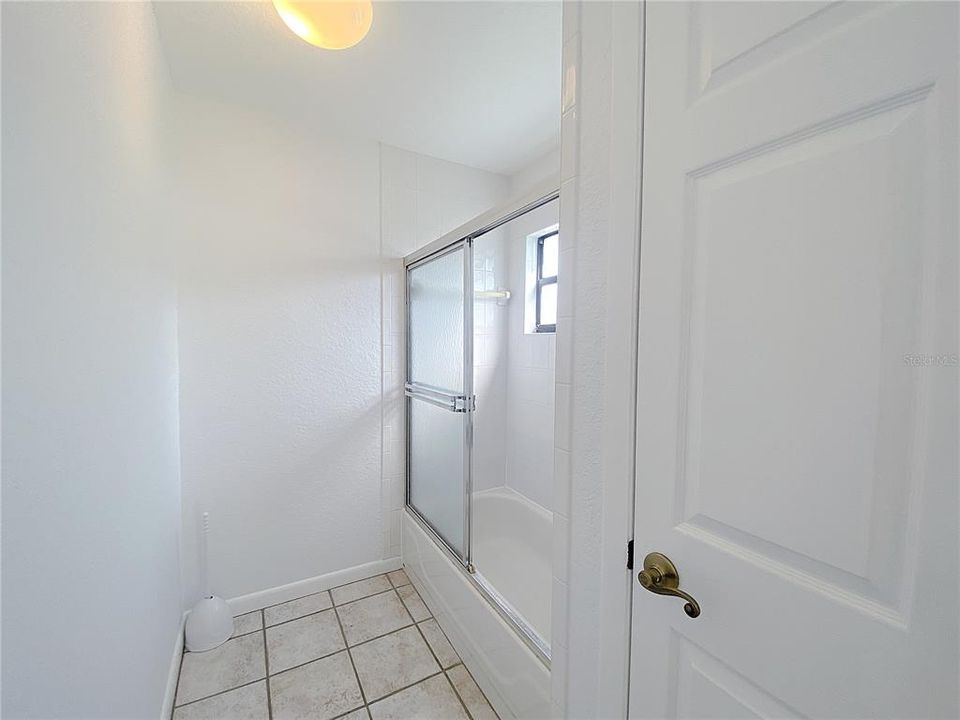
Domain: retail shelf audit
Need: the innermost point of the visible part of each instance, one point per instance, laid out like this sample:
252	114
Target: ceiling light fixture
329	24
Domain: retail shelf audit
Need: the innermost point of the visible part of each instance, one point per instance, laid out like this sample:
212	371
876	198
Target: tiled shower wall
490	321
421	199
530	371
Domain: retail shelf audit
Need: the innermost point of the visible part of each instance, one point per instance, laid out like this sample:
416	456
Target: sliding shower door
439	395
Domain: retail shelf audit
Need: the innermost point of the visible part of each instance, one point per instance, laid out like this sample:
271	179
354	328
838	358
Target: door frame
600	209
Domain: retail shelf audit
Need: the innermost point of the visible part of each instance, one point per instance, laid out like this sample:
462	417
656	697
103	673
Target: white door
797	398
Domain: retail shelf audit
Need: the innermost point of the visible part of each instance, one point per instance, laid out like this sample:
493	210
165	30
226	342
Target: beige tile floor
370	649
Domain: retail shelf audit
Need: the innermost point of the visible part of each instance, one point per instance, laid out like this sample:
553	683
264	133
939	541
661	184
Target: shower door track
462	237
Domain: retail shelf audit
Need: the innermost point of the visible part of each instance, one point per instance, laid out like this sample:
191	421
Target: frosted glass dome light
329	24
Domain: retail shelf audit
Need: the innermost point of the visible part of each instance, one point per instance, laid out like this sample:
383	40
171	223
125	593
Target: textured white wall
91	504
596	350
422	198
279	347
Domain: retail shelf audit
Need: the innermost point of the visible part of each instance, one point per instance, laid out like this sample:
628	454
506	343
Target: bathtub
511	543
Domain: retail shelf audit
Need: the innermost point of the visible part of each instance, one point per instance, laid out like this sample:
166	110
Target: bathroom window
548	256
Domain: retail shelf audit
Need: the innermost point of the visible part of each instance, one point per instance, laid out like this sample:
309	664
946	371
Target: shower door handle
660	576
440	398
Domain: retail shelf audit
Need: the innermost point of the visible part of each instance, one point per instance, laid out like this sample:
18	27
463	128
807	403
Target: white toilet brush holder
210	622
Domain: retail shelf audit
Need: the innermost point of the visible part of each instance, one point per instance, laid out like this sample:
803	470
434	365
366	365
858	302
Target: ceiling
476	83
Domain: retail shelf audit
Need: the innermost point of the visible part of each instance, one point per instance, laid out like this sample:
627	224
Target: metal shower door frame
463	237
458	403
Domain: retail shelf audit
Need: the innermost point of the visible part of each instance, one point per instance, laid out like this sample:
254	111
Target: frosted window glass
551	254
436	469
436	322
548	304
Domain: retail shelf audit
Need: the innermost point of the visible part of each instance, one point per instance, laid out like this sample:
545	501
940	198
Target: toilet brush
210	623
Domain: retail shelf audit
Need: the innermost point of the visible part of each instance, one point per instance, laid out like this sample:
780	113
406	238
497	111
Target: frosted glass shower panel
436	295
436	470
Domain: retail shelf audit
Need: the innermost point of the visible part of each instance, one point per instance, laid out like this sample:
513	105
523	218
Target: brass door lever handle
660	576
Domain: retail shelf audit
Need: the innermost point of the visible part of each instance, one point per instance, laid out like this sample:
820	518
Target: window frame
539	327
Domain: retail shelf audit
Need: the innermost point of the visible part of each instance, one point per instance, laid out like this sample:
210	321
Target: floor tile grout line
457	693
405	687
429	647
329	591
349	602
379	637
389	632
350	712
234	637
183	653
309	662
366	703
429	612
298	617
287	622
459	659
221	692
266	663
395	586
340	650
346	649
363	695
267	607
482	693
382	635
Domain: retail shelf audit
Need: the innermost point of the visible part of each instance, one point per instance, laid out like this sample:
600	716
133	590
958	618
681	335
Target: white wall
541	170
422	198
279	347
91	597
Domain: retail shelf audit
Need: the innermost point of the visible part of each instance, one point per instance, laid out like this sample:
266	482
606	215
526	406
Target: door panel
798	249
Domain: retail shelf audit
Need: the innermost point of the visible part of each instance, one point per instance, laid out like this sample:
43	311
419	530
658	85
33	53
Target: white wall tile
564	355
559	619
561	547
565	294
562	417
568	214
571	50
568	144
558	682
561	485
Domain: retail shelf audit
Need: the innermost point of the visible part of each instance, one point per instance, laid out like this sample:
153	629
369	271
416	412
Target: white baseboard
282	593
173	675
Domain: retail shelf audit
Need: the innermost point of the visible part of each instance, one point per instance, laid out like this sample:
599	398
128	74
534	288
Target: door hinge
629	554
